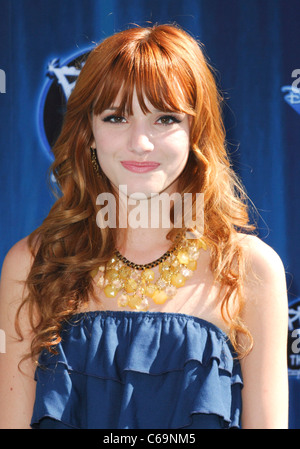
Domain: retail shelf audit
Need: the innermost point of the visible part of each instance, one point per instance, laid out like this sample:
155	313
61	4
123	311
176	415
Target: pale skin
265	392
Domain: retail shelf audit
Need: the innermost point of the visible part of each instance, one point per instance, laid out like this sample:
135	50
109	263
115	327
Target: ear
93	144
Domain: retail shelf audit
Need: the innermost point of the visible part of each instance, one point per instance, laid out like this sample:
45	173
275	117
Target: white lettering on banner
2	82
292	96
294	316
295	73
296	342
295	360
294	338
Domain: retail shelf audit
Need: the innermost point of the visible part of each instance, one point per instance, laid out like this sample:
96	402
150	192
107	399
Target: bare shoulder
15	270
17	387
265	314
265	288
262	262
18	260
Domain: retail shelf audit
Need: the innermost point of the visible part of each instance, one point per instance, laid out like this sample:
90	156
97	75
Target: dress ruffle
139	370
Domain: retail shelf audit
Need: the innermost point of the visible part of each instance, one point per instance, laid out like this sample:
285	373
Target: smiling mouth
139	167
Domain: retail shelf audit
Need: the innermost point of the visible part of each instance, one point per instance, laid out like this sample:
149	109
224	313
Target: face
144	152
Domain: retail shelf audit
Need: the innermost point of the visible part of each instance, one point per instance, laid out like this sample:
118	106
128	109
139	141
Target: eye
114	119
168	120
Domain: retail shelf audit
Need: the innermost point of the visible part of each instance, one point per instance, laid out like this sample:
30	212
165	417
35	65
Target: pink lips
140	167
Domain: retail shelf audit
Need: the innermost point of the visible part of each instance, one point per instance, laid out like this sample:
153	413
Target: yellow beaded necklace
134	285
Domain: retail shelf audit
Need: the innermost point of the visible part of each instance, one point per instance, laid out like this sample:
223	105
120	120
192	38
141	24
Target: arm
17	390
265	373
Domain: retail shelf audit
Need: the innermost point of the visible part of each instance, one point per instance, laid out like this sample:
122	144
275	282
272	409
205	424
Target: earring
95	162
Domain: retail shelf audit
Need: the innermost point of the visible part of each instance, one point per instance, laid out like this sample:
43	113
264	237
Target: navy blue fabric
139	370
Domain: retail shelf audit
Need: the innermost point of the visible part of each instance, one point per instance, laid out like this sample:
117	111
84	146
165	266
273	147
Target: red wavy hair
167	66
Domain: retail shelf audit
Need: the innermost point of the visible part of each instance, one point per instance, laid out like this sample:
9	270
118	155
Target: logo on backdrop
61	77
292	93
294	337
2	82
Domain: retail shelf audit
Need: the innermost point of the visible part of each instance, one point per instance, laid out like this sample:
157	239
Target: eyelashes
165	120
114	119
169	119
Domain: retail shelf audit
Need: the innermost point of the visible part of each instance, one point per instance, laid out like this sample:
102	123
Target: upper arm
265	373
17	386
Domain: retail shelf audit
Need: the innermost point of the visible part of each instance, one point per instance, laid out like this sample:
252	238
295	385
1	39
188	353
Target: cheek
103	137
101	142
105	145
106	162
179	148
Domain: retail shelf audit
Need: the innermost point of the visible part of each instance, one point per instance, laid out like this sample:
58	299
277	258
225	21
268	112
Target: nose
140	140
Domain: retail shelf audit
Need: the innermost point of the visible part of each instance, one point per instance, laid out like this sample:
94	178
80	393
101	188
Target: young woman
139	324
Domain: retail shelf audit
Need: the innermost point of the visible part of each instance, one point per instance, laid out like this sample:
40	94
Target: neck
145	225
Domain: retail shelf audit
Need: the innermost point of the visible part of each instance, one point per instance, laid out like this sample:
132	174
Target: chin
139	193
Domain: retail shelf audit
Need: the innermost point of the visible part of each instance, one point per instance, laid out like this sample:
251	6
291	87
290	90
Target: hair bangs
149	71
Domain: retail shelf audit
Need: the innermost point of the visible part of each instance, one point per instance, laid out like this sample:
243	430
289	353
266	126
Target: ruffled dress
139	370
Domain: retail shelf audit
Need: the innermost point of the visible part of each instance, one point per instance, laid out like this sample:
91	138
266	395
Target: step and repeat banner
254	45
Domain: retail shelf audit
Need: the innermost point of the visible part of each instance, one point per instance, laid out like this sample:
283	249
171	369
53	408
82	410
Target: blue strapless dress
139	370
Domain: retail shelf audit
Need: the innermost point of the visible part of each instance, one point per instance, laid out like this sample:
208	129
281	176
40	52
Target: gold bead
111	275
110	291
164	266
171	291
150	290
166	275
178	280
134	301
183	257
192	265
112	261
124	272
159	297
123	301
148	275
130	286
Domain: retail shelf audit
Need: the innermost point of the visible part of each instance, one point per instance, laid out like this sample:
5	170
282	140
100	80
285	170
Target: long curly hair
165	65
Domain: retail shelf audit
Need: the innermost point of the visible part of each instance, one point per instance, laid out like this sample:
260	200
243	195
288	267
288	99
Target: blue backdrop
253	44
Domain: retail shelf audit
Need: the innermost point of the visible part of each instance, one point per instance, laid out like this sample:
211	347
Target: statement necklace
135	285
